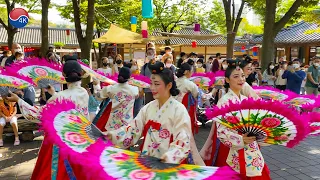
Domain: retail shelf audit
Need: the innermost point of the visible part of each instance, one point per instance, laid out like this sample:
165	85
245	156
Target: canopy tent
119	35
194	37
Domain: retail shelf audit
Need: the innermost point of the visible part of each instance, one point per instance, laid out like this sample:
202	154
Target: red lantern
255	49
194	44
68	34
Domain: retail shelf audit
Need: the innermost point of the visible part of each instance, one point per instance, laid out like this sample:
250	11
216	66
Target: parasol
95	74
270	121
11	83
40	71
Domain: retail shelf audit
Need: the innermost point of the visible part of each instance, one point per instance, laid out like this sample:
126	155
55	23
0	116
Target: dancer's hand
13	97
248	140
51	90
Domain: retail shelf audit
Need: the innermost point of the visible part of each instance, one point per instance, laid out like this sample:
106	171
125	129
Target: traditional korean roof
218	41
32	36
295	34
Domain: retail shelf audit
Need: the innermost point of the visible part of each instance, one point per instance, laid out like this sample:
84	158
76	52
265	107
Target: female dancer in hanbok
122	96
240	152
50	165
164	123
247	90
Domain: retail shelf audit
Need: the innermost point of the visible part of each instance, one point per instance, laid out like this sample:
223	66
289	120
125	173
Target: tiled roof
219	41
32	36
294	34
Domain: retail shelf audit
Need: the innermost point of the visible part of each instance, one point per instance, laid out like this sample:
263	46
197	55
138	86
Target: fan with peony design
270	122
202	80
40	71
79	139
95	74
306	103
269	93
13	83
219	78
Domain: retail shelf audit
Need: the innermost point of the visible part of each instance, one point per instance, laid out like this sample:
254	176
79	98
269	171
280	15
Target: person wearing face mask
200	68
167	54
269	75
294	76
224	65
280	82
313	77
216	64
15	48
145	71
134	67
169	65
209	64
105	69
18	56
118	65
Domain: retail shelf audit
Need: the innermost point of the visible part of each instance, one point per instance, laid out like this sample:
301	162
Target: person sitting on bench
8	111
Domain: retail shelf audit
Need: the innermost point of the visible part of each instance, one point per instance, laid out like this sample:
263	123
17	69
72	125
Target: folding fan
79	139
314	123
40	71
135	80
305	102
268	93
269	121
95	74
66	127
202	80
11	83
219	78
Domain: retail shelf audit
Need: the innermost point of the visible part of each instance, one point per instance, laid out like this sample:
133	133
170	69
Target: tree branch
3	24
233	12
90	20
239	19
284	20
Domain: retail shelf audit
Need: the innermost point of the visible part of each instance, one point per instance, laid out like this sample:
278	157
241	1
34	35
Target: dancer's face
247	69
236	79
158	87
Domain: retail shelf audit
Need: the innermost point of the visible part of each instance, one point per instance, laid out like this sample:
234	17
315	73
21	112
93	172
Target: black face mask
119	61
105	64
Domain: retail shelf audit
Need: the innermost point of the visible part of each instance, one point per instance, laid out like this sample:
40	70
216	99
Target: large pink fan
219	78
269	121
269	93
135	80
40	71
203	80
13	83
306	102
83	143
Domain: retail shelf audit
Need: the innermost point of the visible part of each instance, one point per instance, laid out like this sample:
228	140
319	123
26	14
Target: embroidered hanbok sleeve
127	136
31	113
180	147
104	93
248	91
229	138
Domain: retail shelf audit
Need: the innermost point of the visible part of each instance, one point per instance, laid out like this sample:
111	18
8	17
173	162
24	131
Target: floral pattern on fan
11	83
42	75
267	126
123	164
74	131
92	73
138	83
201	82
300	101
269	94
315	128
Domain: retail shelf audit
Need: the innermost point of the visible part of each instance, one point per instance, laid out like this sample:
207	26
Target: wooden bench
25	127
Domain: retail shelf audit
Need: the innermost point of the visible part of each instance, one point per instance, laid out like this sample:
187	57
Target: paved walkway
300	163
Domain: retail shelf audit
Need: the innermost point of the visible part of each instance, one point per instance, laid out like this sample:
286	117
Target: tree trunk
11	31
10	38
230	44
44	27
269	34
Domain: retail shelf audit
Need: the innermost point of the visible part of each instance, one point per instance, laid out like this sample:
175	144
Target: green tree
44	27
246	28
32	6
276	14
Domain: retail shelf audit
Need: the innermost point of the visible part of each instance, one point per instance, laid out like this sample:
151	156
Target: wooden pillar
307	54
288	53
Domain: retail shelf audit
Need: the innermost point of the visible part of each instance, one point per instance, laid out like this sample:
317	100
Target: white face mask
195	59
17	50
271	67
220	61
150	57
199	65
134	68
295	66
110	60
225	66
168	65
316	64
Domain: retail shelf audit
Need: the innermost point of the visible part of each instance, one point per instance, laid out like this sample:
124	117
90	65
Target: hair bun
156	67
232	63
174	91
